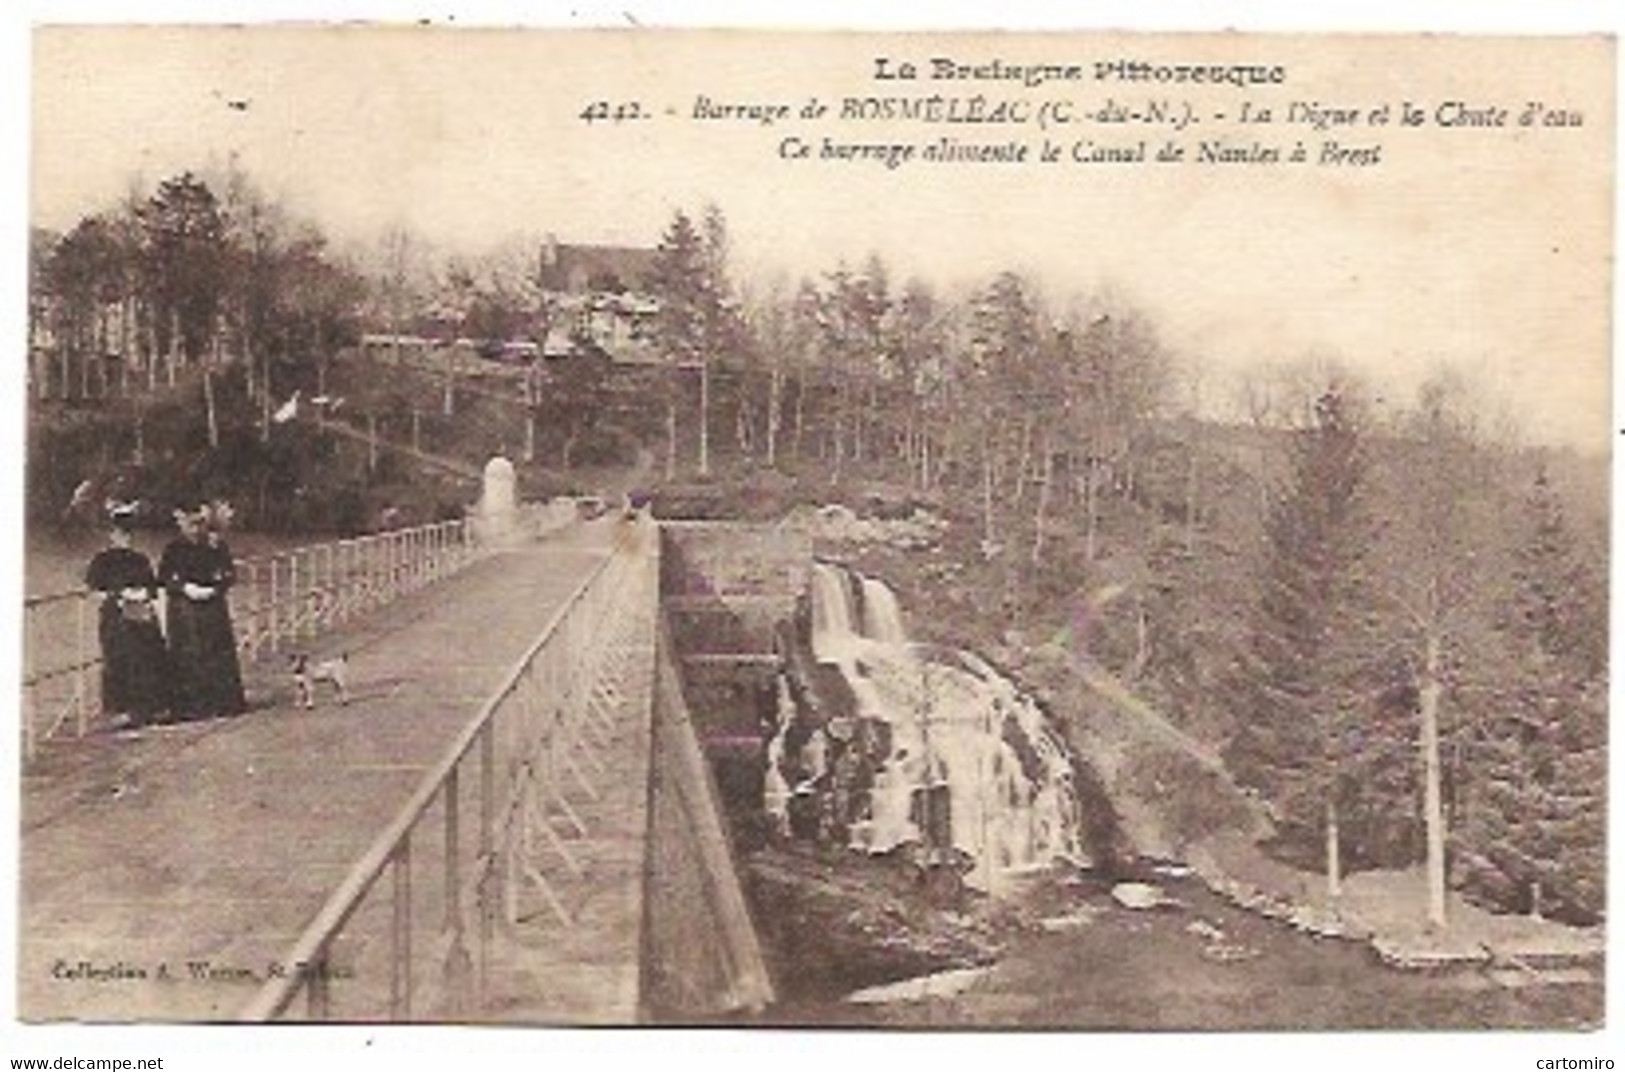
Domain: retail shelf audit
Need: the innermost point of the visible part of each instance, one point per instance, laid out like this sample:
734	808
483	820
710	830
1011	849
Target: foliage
185	254
1307	738
1532	832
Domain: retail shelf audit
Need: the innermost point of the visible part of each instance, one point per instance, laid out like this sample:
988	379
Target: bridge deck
163	873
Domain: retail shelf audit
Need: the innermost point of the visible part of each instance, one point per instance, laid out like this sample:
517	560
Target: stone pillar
497	515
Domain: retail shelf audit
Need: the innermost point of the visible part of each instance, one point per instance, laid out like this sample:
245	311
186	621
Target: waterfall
775	787
952	723
832	634
882	620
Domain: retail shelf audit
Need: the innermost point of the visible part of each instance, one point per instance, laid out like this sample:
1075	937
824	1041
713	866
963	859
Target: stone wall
728	589
755	572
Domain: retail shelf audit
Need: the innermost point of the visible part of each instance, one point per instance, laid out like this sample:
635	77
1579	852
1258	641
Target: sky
1484	250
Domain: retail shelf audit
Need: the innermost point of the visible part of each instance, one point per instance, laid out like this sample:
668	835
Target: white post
345	590
273	627
346	586
252	569
310	597
295	611
81	691
330	594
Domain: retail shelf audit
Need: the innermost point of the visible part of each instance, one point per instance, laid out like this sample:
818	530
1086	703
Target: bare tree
1436	569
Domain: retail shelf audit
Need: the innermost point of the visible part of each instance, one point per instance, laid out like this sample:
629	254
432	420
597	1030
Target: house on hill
578	301
603	300
584	269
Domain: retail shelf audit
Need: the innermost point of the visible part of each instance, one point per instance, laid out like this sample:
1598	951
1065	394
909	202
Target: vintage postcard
1078	531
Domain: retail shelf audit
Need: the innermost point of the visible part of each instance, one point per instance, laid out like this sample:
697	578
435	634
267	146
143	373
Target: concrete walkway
164	873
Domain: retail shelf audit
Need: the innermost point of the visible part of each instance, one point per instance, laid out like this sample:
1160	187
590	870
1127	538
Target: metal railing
703	957
296	595
494	830
279	599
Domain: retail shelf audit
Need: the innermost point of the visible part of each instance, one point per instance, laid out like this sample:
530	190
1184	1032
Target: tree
186	257
1533	833
1435	553
288	299
400	279
774	342
1310	678
85	274
919	338
721	323
41	245
806	330
676	280
836	310
698	320
872	311
1004	327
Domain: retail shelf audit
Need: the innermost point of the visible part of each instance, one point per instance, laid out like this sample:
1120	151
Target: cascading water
882	618
927	727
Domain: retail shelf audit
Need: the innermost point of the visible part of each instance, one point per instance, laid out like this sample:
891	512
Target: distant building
578	269
594	300
603	300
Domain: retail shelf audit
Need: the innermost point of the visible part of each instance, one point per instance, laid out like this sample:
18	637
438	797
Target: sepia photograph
1068	531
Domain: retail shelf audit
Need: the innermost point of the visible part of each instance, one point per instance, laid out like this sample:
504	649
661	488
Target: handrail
283	596
80	590
699	922
590	604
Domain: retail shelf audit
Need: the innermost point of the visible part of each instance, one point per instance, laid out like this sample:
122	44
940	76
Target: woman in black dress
196	572
135	673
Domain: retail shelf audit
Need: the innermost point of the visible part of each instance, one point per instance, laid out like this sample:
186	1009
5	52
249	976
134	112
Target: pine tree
1534	828
186	249
680	325
698	318
1307	736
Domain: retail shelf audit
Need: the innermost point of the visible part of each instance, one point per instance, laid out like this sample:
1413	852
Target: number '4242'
619	112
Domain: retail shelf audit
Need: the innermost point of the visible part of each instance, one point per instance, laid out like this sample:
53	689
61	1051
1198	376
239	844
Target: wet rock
1205	930
834	923
1077	919
1140	896
944	984
1398	953
1228	952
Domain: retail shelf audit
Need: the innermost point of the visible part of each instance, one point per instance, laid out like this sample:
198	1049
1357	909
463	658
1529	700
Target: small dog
308	673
